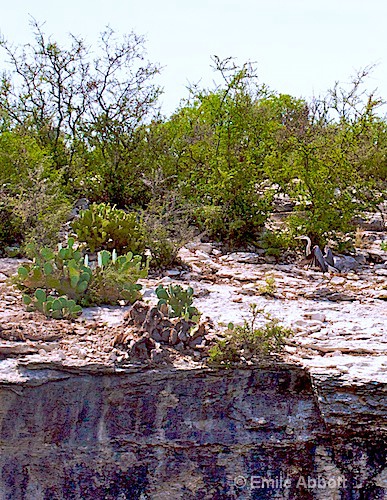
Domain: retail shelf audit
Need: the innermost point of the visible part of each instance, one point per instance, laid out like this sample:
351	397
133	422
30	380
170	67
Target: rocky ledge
112	406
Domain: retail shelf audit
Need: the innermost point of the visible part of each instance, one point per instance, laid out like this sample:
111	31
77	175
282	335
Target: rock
173	273
141	349
138	313
78	352
243	257
152	319
156	335
183	336
159	356
116	434
311	326
16	348
377	256
81	204
165	334
283	203
198	331
9	266
370	222
173	337
194	343
316	316
207	248
337	280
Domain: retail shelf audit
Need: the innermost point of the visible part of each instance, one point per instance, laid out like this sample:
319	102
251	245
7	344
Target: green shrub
275	242
10	225
167	223
248	340
115	278
177	302
105	227
270	286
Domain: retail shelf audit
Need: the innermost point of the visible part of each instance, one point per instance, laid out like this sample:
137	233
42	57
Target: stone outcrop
271	431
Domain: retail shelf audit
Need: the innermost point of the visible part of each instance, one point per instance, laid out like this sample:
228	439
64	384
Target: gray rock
141	349
243	257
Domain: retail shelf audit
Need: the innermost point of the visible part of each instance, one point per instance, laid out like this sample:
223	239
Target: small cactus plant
63	271
54	307
177	302
115	278
59	283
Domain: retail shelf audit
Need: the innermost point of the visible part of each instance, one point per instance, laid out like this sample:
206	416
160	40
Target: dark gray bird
315	256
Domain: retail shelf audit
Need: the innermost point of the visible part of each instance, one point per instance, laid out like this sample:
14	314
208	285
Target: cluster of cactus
53	307
115	277
105	226
176	302
63	271
55	283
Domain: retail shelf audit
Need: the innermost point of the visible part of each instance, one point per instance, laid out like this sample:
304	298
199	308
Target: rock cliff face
266	432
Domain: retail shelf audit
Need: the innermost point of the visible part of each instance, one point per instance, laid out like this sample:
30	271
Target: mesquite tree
84	109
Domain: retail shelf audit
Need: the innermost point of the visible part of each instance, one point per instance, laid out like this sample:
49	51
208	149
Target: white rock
243	257
173	273
316	316
338	280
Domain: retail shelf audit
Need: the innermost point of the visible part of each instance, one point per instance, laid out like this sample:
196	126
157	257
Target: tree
325	158
83	111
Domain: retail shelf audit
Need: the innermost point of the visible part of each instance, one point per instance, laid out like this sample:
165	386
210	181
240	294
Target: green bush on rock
249	340
115	278
106	227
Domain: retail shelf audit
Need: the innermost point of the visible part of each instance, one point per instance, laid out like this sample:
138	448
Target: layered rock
271	431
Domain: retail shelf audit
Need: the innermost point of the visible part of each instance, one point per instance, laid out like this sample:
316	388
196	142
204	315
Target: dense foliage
74	125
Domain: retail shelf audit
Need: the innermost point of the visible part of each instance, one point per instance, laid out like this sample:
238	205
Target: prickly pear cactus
105	226
177	302
52	307
63	271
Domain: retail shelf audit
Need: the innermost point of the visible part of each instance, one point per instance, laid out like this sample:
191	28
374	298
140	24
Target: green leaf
162	293
57	314
40	295
82	286
47	268
47	254
56	305
62	253
76	310
27	300
22	272
105	257
63	302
